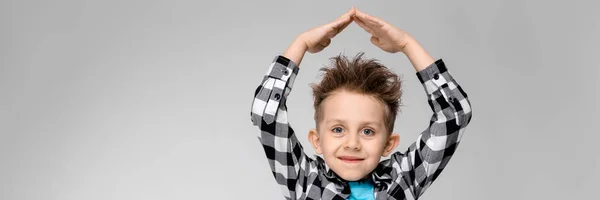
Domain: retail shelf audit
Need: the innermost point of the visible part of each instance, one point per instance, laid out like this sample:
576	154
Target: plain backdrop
135	99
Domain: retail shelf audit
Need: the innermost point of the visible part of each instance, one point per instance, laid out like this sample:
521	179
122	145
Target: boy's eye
338	130
368	132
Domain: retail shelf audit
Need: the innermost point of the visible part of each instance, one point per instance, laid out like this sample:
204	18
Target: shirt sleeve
425	159
284	152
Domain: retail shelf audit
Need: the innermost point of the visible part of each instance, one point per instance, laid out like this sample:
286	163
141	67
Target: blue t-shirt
361	190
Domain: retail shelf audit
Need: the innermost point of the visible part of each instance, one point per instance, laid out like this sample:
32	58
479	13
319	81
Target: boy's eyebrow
344	122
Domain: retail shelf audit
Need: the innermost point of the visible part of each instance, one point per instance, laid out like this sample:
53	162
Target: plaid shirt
404	176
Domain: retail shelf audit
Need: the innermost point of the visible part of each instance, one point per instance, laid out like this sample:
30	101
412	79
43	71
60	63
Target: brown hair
363	76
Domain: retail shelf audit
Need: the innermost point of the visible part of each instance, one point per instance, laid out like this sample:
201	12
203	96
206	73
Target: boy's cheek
375	148
329	146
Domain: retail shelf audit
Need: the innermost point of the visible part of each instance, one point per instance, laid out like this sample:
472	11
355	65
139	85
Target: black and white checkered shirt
406	175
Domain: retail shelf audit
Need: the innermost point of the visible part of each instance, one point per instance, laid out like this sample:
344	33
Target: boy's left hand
384	35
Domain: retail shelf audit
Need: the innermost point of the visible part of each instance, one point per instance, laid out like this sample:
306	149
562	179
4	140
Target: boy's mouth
350	159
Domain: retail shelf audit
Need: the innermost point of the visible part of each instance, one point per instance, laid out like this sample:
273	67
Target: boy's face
352	136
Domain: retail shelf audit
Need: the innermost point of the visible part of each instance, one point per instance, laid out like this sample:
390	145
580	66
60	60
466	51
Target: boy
355	109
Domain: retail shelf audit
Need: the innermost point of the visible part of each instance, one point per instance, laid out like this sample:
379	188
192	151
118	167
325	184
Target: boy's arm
290	166
425	159
269	113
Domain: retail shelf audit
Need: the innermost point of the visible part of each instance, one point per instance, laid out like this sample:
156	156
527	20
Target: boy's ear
391	144
315	139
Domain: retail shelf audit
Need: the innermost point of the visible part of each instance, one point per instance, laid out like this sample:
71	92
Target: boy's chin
352	173
353	176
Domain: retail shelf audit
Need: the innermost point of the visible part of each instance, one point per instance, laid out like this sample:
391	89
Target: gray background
151	99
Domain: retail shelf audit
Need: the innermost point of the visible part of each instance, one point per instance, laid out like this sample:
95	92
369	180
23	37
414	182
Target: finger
365	17
337	26
326	42
352	11
375	40
344	25
340	22
368	19
331	34
320	48
363	25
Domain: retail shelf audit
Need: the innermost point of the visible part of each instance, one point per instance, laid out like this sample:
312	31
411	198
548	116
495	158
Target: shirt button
436	76
285	72
277	96
451	99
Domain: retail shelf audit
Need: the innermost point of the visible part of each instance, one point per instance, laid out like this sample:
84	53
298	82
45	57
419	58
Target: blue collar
361	190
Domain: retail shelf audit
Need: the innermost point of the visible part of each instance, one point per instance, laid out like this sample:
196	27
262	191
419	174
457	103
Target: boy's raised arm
289	164
425	159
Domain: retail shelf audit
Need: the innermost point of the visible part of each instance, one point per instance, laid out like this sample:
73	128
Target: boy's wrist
417	55
295	52
408	44
403	45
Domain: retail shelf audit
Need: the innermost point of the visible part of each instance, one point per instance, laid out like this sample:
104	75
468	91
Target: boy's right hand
320	37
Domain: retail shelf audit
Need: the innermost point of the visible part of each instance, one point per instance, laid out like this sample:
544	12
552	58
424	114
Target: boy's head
356	104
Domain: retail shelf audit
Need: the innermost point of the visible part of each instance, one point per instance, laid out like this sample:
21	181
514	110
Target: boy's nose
352	142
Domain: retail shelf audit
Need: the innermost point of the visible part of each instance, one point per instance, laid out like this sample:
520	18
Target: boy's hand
320	37
384	35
